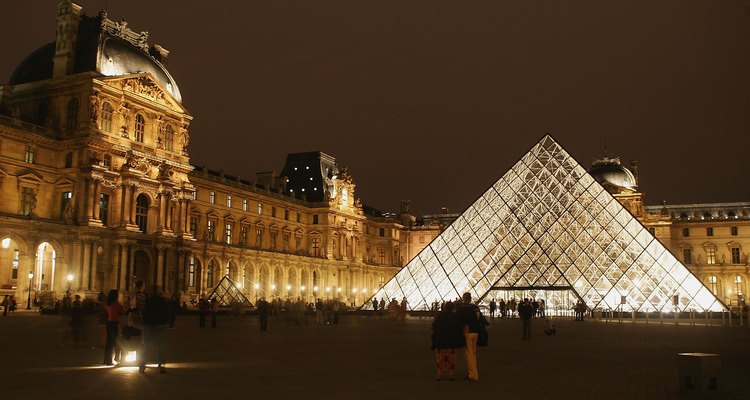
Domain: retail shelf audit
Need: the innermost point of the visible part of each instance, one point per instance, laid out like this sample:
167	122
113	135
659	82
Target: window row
734	252
733	230
166	135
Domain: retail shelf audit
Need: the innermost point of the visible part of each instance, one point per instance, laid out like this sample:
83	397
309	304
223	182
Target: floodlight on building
315	288
328	289
288	287
6	243
273	287
302	288
338	290
239	286
257	286
131	356
354	291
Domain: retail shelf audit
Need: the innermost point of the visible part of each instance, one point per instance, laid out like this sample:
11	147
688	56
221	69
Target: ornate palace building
98	190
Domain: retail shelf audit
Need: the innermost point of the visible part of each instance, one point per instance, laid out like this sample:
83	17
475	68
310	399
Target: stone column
131	218
89	198
181	265
95	199
94	262
86	265
125	206
130	267
161	219
160	267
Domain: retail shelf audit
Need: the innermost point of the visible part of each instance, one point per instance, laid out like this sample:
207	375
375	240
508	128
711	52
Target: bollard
730	316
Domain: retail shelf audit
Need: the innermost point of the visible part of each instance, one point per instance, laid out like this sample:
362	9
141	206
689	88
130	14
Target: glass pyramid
227	293
548	224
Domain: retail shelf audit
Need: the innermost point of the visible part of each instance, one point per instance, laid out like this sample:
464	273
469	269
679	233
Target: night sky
434	100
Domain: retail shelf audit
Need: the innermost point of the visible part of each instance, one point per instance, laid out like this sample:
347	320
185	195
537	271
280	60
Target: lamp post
354	292
70	279
257	286
28	301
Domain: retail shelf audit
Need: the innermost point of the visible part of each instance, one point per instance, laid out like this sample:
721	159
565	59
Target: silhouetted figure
263	310
447	336
214	311
526	312
203	309
549	328
114	309
470	314
155	322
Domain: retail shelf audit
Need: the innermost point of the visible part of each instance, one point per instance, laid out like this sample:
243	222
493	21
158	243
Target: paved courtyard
367	358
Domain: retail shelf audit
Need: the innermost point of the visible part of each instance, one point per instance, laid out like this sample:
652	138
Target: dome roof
98	51
610	171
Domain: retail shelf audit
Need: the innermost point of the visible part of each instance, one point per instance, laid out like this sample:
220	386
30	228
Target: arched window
71	122
141	212
168	138
140	128
712	283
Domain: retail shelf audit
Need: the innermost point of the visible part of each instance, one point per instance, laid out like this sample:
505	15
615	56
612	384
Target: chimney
66	37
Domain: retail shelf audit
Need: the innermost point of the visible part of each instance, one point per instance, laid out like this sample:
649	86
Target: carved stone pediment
145	85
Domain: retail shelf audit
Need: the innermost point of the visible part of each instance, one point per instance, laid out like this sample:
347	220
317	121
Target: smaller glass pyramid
227	293
547	224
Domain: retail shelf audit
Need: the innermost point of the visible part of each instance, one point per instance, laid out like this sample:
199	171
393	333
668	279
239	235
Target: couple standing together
457	326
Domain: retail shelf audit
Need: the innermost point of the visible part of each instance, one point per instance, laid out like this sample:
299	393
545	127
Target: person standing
374	305
447	336
526	312
319	311
114	309
493	307
263	309
470	314
155	322
203	309
5	304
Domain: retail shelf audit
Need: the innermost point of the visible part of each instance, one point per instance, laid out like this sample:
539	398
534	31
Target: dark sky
434	100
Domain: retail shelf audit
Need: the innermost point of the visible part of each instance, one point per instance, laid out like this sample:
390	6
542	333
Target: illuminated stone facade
98	190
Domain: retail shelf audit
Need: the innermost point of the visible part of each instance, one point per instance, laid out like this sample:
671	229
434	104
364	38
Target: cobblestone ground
368	358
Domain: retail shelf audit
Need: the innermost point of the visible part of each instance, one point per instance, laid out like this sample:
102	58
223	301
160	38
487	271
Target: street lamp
70	279
28	301
354	303
257	286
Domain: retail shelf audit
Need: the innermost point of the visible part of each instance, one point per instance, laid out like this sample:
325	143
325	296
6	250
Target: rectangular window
735	255
27	200
709	231
687	256
244	204
191	272
260	208
66	197
228	233
286	215
210	229
738	285
273	211
711	255
315	219
381	256
382	232
14	273
273	239
258	237
315	247
212	197
229	201
712	283
685	232
193	225
286	241
297	242
104	208
243	235
421	239
733	230
68	159
298	217
30	154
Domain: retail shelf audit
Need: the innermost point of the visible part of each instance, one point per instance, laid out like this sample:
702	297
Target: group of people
148	318
395	310
457	326
9	305
507	309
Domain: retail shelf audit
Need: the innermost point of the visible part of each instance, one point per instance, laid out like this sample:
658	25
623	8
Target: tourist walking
526	312
493	307
155	323
114	309
470	316
263	309
447	336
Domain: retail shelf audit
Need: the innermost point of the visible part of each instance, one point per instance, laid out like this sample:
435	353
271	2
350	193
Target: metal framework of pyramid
227	293
548	224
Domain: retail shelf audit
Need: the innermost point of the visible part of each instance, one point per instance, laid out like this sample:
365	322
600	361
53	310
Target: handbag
483	337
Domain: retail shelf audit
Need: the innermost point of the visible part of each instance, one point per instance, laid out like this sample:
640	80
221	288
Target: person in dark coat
470	318
526	312
263	309
155	322
447	336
